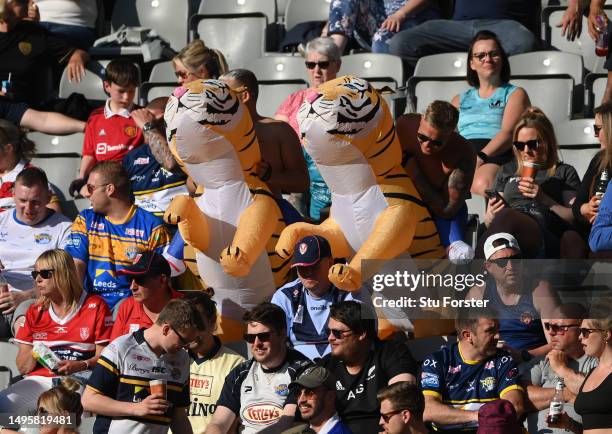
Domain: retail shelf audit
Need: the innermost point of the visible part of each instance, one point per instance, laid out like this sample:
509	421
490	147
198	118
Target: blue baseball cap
310	250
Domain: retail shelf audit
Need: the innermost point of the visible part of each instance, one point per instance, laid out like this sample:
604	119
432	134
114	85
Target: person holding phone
538	190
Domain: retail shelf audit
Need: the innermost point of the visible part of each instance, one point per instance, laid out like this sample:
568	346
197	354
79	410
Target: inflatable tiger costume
236	222
376	211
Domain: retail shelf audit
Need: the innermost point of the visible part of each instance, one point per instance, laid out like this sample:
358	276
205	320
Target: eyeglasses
263	337
597	129
323	65
91	188
183	340
422	138
45	274
338	334
503	262
494	54
387	416
585	333
183	74
531	144
559	329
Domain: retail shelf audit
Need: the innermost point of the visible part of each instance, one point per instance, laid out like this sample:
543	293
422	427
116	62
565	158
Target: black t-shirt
11	111
356	394
25	50
518	10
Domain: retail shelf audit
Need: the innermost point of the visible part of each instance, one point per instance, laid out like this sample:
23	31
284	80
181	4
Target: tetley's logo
263	413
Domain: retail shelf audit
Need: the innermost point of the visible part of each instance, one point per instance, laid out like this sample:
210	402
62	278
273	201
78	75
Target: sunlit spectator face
430	139
312	401
45	279
185	75
314	277
593	340
320	68
486	58
484	337
505	267
31	203
601	134
530	146
265	342
343	341
121	96
174	340
564	333
391	420
97	193
145	287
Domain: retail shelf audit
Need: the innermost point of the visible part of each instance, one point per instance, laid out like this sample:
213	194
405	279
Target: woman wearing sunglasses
535	207
72	324
490	109
322	64
197	61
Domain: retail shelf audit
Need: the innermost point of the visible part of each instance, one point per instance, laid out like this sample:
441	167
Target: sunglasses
483	55
309	393
184	341
531	144
45	274
387	416
585	333
323	65
182	74
559	329
263	337
422	138
338	334
503	262
91	188
597	129
42	411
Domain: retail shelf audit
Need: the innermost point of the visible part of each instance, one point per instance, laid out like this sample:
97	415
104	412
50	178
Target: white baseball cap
509	242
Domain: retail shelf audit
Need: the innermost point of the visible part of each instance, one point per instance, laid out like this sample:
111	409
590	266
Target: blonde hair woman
197	61
72	324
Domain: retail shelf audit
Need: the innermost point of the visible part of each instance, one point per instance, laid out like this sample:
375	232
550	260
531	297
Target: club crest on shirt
281	390
130	131
303	247
42	238
488	384
526	318
25	48
84	332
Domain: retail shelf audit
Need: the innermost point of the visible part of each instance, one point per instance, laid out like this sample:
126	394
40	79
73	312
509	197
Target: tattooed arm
155	139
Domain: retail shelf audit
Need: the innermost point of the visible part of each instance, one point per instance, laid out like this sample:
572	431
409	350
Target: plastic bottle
602	183
601	44
556	405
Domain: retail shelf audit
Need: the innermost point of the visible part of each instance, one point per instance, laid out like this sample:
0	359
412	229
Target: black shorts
500	159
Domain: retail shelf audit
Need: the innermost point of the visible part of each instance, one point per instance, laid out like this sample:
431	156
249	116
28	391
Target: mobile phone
495	194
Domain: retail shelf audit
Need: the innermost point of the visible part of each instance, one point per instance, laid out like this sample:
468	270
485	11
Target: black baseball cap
147	263
310	250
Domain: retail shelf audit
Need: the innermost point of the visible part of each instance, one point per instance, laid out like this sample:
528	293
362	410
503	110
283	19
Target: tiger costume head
345	120
205	122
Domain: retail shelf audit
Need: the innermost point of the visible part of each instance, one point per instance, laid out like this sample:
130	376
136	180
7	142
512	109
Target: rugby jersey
256	395
108	246
467	384
123	373
73	337
206	381
152	185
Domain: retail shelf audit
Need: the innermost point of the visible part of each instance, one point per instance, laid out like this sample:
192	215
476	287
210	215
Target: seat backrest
373	66
169	18
426	91
150	91
61	171
599	88
272	95
477	205
576	132
71	144
300	11
215	7
548	63
279	68
552	95
578	158
240	38
162	72
8	357
442	65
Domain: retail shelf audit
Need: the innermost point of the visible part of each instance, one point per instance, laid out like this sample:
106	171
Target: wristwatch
148	126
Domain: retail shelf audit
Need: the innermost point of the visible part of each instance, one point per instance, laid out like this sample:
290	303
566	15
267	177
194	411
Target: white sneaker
460	252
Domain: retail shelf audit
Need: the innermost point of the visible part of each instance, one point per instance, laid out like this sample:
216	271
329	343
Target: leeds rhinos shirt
467	384
123	373
257	395
107	246
356	394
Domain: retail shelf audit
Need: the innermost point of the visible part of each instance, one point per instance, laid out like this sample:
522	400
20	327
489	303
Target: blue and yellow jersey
467	384
108	246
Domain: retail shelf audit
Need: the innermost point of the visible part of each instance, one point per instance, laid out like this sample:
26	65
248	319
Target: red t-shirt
132	316
71	338
110	136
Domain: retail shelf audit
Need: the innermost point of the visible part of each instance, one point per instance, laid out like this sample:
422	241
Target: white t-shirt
21	245
70	12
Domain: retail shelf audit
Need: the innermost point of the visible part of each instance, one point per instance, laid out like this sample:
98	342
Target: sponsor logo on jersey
39	336
200	408
512	373
140	161
97	226
318	308
61	329
429	380
92	305
200	384
100	271
263	413
488	384
84	332
136	368
430	362
130	131
135	232
102	132
141	358
281	390
371	373
353	393
42	238
103	148
134	328
455	369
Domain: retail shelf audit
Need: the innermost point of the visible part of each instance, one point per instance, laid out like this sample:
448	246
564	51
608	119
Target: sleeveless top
481	118
595	406
519	324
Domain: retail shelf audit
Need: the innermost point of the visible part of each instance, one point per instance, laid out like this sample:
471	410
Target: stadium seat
442	65
300	11
218	7
169	18
477	206
552	95
547	63
8	356
241	38
271	95
577	143
596	87
426	91
65	145
279	68
150	91
374	66
60	170
162	72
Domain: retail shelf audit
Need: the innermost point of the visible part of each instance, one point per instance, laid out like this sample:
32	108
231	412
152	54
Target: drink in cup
529	169
158	386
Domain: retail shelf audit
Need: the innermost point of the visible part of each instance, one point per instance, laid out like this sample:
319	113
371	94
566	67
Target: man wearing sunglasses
307	299
151	292
565	360
257	391
26	232
362	364
522	303
441	164
119	391
401	409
